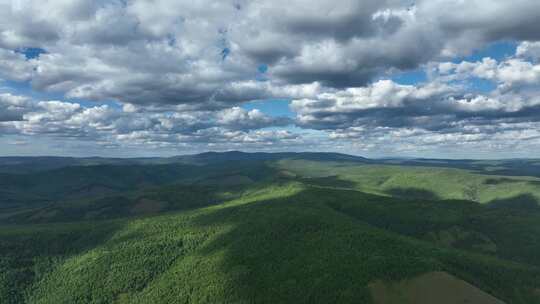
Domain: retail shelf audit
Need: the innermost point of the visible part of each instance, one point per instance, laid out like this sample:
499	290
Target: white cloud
13	66
529	49
185	52
13	107
106	124
180	70
446	103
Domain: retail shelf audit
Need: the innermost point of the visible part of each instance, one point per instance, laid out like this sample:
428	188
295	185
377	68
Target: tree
470	192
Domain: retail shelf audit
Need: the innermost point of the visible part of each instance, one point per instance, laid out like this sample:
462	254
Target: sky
378	78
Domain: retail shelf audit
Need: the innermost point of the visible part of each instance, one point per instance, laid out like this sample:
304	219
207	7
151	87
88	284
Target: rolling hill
269	228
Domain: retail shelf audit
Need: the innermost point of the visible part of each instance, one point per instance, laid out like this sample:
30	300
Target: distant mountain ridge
516	167
17	164
243	156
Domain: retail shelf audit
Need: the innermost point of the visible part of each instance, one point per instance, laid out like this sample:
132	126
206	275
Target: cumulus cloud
108	124
174	52
508	73
13	107
180	70
529	50
238	118
443	104
13	66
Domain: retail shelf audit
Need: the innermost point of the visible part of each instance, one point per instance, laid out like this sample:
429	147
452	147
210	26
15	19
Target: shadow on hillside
311	248
413	193
56	238
504	180
510	168
147	202
519	202
333	181
304	249
286	250
28	252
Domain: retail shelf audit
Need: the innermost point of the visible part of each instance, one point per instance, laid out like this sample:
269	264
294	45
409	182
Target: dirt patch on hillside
92	190
145	206
430	288
44	214
229	180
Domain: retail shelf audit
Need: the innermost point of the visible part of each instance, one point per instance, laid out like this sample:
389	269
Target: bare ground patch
430	288
145	206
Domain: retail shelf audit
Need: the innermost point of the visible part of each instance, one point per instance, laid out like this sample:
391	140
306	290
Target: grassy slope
286	243
422	182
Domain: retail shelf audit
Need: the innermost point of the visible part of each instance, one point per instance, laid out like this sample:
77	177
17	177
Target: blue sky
272	107
497	51
366	78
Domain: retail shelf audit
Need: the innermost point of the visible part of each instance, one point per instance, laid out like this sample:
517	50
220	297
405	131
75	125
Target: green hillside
271	231
416	181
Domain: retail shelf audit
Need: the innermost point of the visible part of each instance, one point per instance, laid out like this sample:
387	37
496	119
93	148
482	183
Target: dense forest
268	228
